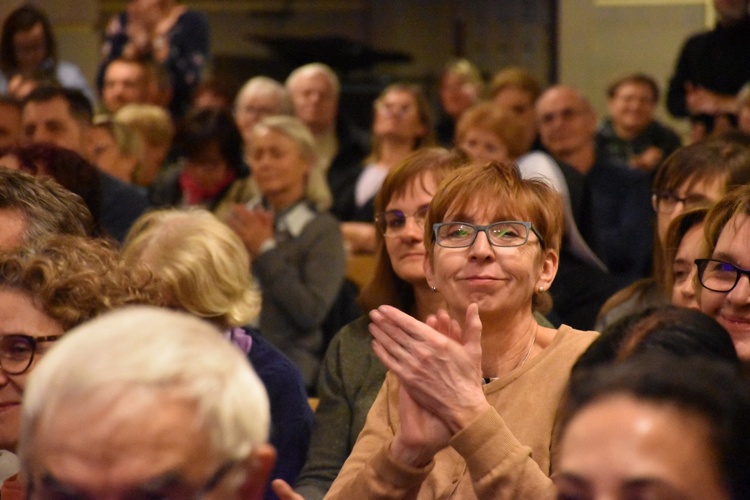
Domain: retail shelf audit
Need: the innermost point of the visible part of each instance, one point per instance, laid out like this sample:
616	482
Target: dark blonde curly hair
72	279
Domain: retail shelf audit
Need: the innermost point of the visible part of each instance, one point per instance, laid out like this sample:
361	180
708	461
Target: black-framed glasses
392	222
17	351
167	487
719	276
500	234
666	202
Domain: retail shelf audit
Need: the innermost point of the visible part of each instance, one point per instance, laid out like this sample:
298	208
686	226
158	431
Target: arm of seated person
359	237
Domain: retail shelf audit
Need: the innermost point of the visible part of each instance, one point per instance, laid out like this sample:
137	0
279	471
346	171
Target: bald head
567	122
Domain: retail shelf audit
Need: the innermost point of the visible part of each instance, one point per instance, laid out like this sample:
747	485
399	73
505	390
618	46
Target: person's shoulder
269	362
572	338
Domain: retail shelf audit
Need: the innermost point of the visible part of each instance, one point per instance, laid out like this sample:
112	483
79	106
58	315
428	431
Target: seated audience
452	418
723	274
401	125
683	244
63	117
210	173
616	198
201	266
461	86
516	90
214	92
174	37
46	289
631	133
126	81
175	409
28	54
340	146
156	131
692	176
296	249
643	429
116	148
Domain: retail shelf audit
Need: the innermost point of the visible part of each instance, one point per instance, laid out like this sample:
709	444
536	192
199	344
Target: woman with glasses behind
469	405
692	176
45	290
724	294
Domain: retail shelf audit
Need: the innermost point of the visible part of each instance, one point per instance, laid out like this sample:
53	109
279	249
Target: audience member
214	92
401	125
191	251
616	201
516	90
126	81
32	207
210	172
489	132
631	133
711	69
259	97
297	252
694	175
684	244
10	121
340	146
63	117
644	429
176	411
166	32
46	289
435	429
724	295
156	131
116	148
351	374
28	52
461	86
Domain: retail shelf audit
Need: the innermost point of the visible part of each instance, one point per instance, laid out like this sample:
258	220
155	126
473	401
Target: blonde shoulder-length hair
200	264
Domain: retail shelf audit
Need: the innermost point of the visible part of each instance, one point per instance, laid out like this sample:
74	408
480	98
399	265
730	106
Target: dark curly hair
73	279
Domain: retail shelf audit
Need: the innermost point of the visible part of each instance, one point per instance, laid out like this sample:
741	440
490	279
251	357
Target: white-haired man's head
315	90
146	400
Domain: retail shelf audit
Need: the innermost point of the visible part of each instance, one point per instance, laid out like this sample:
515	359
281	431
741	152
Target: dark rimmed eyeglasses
499	234
718	275
666	202
17	351
392	222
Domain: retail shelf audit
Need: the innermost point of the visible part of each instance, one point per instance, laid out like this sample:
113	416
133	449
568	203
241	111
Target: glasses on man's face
167	487
499	234
719	276
392	222
667	202
17	351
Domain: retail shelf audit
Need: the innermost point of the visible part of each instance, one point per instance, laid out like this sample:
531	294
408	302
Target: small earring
433	288
541	289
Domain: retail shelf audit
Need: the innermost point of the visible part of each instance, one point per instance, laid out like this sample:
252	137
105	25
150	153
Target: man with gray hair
340	145
145	403
31	207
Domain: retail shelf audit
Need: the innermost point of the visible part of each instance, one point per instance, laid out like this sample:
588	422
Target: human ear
550	262
258	466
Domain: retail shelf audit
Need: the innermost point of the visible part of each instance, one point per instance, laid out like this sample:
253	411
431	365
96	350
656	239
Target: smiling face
566	123
18	315
501	280
51	121
732	309
406	248
684	268
124	83
632	107
278	167
483	145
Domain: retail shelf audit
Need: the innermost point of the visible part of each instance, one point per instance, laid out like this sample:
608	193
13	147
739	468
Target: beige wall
602	39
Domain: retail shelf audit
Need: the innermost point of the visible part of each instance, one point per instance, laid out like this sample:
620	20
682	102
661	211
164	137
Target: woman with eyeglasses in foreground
45	290
469	405
724	294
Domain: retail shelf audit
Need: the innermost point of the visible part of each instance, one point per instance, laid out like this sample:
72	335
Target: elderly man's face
566	123
144	445
315	100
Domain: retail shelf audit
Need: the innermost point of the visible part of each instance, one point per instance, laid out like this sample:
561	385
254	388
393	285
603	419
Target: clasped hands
253	226
438	364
